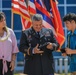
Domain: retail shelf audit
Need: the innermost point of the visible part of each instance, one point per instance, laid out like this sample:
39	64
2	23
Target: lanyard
68	42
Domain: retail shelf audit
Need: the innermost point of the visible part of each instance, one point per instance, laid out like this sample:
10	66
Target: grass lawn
57	74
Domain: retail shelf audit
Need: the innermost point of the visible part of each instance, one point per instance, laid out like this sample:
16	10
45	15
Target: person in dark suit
38	43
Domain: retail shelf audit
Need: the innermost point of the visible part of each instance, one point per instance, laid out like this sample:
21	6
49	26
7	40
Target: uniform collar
42	32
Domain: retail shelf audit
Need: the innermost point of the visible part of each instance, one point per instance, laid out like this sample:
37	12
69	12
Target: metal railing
61	65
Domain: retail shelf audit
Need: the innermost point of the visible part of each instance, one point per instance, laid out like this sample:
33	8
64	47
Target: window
8	17
6	3
17	22
61	1
71	1
71	9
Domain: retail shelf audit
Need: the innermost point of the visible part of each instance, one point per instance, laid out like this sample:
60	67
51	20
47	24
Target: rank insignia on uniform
29	38
47	33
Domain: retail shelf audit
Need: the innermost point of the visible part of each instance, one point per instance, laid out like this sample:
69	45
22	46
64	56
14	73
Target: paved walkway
57	74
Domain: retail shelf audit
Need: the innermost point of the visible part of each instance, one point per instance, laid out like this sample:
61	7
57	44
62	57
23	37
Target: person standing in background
8	47
70	22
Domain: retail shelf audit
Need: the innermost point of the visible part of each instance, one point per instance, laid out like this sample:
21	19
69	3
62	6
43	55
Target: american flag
20	7
31	7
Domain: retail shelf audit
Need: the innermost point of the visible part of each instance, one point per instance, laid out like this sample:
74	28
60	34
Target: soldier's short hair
37	17
69	17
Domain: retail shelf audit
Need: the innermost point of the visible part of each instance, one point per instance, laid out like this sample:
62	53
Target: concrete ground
26	74
57	74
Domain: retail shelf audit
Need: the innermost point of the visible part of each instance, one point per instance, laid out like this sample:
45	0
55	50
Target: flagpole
12	20
26	2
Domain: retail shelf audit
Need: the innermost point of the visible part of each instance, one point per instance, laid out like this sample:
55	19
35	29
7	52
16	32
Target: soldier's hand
50	46
37	50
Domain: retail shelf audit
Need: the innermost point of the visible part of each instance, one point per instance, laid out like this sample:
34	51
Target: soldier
38	43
